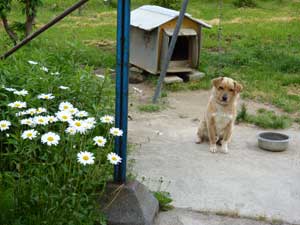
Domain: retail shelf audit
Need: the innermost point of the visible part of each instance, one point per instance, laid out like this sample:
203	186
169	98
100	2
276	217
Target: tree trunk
30	16
13	36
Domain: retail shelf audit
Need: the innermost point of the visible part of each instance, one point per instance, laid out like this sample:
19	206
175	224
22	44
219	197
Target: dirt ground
247	182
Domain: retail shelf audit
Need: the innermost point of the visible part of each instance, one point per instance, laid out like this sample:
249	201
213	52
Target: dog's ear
215	82
238	87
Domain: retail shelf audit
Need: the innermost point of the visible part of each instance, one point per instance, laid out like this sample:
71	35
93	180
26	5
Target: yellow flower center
78	124
64	117
66	107
100	141
116	132
50	139
29	134
17	104
41	120
114	158
86	157
3	125
46	97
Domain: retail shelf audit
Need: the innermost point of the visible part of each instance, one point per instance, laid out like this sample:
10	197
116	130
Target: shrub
244	3
52	170
172	4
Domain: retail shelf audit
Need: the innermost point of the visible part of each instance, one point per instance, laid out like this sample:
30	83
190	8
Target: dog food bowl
272	141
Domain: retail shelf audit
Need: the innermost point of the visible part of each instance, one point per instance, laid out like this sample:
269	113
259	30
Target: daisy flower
41	110
63	87
52	119
79	125
65	106
45	69
4	125
107	119
17	104
100	141
64	116
50	138
21	113
73	111
29	134
70	130
116	131
28	122
21	93
81	114
90	123
46	96
10	89
85	158
40	120
113	158
30	111
32	62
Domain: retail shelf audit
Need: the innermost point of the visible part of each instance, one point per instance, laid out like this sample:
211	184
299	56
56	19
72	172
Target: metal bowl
272	141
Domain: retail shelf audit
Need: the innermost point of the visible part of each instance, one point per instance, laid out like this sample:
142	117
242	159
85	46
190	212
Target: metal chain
220	38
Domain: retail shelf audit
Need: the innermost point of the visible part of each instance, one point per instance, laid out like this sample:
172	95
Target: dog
218	123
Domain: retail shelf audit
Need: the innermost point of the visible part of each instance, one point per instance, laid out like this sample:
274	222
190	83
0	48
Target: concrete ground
246	182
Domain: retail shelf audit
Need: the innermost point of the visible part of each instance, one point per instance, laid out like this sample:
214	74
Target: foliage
264	119
244	3
41	184
164	200
149	108
172	4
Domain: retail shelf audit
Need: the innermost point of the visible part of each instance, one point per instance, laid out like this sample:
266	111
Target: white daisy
90	123
32	62
64	116
82	114
29	134
17	104
21	113
4	125
70	130
41	110
73	111
21	93
85	158
28	121
30	111
10	89
79	125
116	131
45	69
52	119
63	87
107	119
50	138
65	106
40	120
100	141
46	96
113	158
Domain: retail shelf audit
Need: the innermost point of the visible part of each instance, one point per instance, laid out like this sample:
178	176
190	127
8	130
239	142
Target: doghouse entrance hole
181	51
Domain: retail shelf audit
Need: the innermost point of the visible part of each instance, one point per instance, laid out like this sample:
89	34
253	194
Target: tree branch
13	36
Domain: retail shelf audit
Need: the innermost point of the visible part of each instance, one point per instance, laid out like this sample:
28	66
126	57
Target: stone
129	204
135	76
172	79
196	75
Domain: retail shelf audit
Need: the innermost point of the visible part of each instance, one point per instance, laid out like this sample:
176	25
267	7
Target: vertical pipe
123	40
118	102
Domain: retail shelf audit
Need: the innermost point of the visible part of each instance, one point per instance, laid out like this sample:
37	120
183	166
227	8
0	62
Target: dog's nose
224	98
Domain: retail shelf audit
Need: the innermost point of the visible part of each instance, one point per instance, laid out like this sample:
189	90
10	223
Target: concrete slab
172	79
247	181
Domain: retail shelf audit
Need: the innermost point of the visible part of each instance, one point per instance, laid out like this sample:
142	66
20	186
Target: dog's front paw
213	148
225	147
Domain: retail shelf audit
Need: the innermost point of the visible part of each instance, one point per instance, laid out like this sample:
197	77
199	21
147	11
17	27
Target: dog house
151	30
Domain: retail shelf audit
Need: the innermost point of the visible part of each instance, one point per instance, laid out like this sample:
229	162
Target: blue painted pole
123	40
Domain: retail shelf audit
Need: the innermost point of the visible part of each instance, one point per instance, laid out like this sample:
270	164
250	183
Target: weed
164	199
149	108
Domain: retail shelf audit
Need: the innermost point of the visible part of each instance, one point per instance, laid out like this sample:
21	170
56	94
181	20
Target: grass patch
149	108
264	119
164	199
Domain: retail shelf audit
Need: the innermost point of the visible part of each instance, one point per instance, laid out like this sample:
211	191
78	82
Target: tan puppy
220	115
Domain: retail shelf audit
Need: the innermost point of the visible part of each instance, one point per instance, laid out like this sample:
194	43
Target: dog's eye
231	90
221	88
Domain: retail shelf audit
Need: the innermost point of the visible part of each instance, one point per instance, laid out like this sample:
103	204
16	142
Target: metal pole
170	51
123	40
44	28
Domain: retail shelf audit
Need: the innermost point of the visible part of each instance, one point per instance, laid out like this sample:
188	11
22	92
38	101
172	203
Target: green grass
264	119
164	199
149	108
